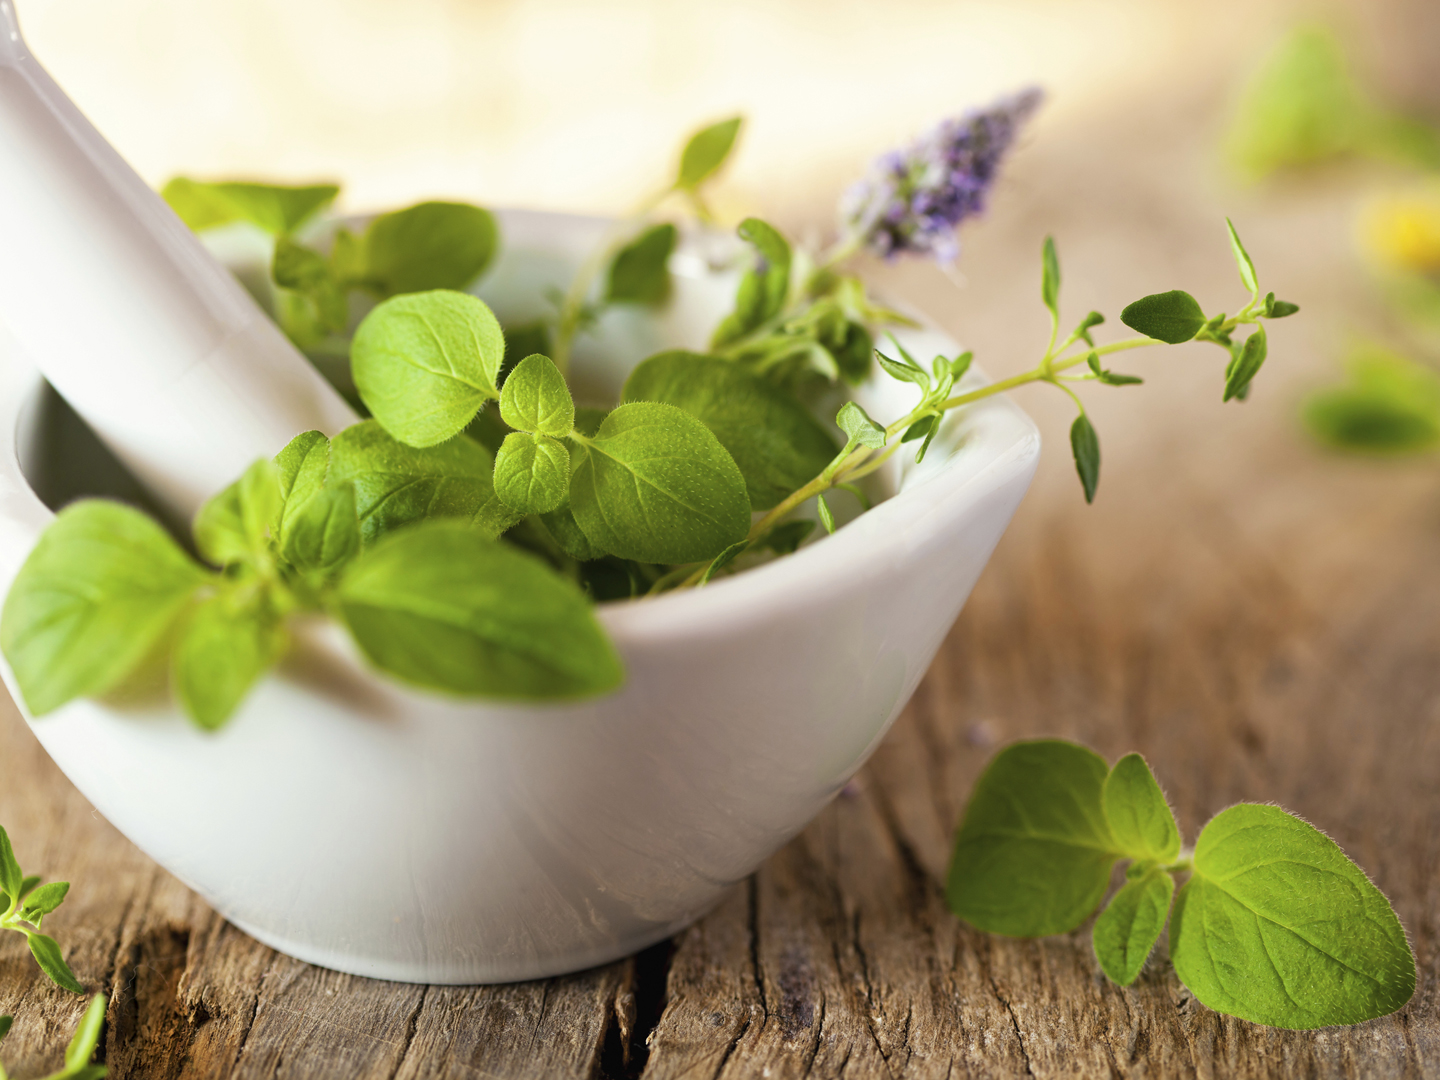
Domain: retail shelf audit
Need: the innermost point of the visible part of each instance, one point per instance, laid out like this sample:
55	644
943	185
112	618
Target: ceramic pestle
111	296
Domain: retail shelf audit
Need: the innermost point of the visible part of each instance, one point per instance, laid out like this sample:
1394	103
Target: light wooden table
1260	619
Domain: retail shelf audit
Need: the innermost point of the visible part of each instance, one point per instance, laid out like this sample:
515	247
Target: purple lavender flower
911	200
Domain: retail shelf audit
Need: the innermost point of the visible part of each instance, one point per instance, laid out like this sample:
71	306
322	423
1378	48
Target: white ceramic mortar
366	827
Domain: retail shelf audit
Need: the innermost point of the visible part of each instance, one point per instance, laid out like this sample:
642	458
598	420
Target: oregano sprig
1273	923
24	903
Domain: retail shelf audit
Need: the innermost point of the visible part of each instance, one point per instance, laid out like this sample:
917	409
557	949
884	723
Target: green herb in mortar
462	532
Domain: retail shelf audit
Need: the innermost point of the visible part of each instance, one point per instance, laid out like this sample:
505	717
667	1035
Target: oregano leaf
425	364
706	151
1140	819
532	473
1034	851
98	591
432	245
397	485
1278	927
775	441
856	423
325	534
640	273
724	559
228	642
438	605
1126	931
278	209
237	524
11	876
535	398
763	289
654	485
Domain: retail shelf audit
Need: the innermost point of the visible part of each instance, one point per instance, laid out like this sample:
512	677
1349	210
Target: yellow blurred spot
1404	231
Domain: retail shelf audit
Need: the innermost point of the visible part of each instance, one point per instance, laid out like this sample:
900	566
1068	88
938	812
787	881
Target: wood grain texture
1256	617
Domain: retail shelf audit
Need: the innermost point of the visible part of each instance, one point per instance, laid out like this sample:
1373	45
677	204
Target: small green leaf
1278	927
301	469
325	534
440	606
1280	309
775	441
1140	818
532	473
1242	261
856	423
308	273
396	484
961	364
1171	317
786	538
1126	931
1245	365
432	245
640	273
724	559
826	517
96	594
1034	851
86	1038
236	525
29	884
43	900
426	363
11	876
921	428
1050	277
276	208
1388	405
229	641
903	372
763	290
5	1022
654	485
47	954
1085	446
706	152
535	398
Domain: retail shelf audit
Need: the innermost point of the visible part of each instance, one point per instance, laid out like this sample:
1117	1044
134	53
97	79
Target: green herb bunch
82	1045
1273	924
461	532
24	903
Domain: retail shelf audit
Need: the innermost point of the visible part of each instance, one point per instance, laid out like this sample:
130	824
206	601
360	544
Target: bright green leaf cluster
82	1045
431	245
787	326
1273	925
24	903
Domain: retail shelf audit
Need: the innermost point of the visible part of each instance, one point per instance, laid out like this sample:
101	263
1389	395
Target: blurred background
1305	122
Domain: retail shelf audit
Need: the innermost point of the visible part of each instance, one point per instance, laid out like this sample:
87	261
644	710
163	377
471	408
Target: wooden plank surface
1258	618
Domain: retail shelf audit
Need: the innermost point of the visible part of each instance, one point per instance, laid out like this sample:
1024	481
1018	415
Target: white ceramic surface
362	826
147	336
